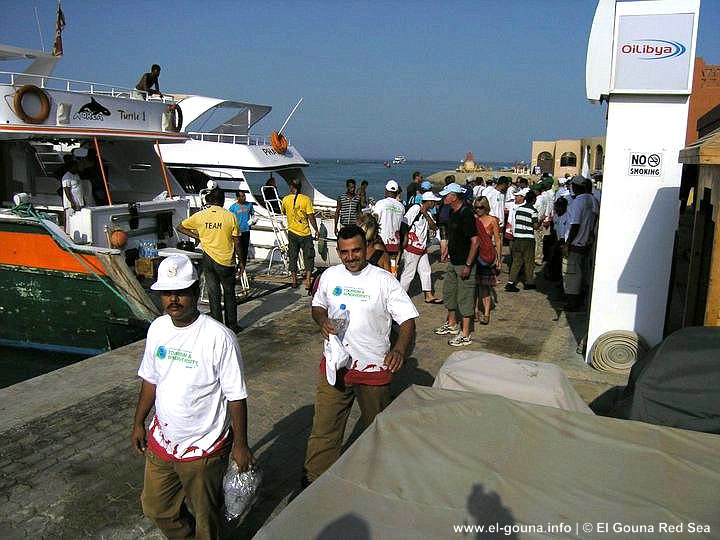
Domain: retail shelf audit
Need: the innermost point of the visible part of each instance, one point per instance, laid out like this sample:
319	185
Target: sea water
327	175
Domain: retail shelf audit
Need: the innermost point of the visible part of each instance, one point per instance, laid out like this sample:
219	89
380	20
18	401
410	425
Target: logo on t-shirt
352	292
337	291
161	352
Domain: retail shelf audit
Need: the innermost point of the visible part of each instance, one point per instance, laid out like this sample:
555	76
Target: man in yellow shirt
218	231
300	215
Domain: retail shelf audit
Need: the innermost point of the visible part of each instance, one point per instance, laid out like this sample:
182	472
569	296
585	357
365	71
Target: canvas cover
440	458
677	384
522	380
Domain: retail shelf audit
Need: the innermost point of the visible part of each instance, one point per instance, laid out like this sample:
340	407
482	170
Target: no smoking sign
645	164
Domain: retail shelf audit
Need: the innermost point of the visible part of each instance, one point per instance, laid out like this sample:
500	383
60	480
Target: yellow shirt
215	227
297	211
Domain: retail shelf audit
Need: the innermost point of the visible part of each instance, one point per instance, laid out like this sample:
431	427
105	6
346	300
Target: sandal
485	319
434	301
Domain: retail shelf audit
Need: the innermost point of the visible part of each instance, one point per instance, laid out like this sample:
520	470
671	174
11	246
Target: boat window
191	180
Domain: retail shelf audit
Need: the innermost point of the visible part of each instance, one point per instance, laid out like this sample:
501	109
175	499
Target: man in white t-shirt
415	257
192	372
72	189
390	212
364	299
580	237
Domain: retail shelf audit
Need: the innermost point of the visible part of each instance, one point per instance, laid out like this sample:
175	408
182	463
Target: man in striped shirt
348	206
523	246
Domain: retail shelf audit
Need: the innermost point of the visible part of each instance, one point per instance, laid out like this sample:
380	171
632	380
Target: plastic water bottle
341	321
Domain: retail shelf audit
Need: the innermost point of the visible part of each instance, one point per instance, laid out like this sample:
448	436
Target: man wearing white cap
415	258
459	290
563	190
192	372
390	212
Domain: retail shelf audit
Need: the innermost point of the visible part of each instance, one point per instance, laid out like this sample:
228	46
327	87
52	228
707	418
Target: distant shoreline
438	178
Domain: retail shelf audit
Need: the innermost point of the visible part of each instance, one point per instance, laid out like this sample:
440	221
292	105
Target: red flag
59	25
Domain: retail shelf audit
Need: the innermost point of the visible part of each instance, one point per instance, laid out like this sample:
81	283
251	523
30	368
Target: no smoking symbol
653	160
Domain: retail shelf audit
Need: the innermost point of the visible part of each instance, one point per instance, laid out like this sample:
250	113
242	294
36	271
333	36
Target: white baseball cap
430	196
175	273
392	185
522	192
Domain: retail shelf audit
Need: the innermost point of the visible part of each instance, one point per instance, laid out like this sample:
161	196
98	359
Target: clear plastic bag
240	489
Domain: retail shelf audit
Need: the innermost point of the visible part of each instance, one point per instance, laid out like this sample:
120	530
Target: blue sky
430	80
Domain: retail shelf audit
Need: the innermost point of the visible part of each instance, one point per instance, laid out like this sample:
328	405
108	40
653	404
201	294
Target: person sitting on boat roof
300	215
144	87
218	231
192	373
348	206
72	188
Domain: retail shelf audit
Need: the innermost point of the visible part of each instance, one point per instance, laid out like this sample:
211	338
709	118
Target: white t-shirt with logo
197	369
390	213
372	299
581	212
73	182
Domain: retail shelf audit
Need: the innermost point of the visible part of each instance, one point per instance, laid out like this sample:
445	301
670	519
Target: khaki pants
332	408
170	485
523	258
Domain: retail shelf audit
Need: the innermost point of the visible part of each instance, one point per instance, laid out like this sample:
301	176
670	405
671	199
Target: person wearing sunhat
420	226
192	373
390	212
459	290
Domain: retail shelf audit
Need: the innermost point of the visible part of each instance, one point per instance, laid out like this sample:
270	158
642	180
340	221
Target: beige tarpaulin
437	459
523	380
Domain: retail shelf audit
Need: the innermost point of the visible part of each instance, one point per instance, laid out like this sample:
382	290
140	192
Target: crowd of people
192	370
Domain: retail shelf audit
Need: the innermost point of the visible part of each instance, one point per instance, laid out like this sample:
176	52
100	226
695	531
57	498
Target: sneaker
511	287
460	341
530	286
446	329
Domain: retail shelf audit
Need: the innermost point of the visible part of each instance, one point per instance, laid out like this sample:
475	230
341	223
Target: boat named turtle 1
73	287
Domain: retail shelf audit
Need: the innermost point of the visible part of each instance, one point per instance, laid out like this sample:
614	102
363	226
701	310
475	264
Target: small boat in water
81	288
399	160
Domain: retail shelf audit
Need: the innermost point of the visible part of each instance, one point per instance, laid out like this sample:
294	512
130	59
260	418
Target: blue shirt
243	212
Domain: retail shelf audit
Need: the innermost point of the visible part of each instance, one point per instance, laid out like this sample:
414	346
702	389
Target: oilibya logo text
653	49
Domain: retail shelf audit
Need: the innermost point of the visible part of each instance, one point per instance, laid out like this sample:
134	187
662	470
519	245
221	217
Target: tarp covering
677	384
436	459
532	382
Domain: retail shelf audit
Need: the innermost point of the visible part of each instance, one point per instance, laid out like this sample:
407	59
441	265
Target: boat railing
230	138
82	87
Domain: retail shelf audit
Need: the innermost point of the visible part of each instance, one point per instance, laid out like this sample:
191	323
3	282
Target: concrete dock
67	469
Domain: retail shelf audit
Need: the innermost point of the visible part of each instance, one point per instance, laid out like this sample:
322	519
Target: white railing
70	85
248	140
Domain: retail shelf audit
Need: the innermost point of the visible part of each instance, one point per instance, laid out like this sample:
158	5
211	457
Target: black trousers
217	275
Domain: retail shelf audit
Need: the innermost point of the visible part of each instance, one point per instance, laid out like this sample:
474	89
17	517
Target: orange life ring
176	117
44	104
279	142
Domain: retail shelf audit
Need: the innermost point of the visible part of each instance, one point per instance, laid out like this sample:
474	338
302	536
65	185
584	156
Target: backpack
486	251
405	229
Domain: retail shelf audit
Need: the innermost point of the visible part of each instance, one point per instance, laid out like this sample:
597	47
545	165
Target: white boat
75	289
399	160
221	148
